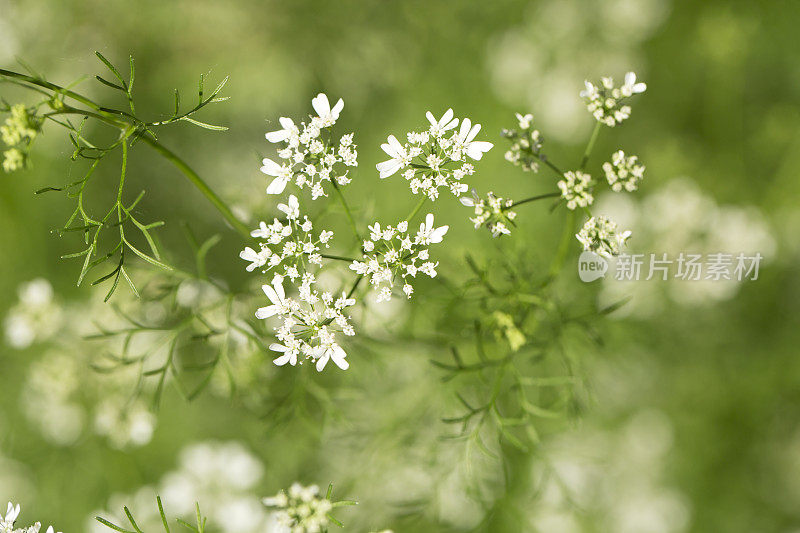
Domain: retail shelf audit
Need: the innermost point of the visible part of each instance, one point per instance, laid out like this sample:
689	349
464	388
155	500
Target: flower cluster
605	102
493	212
18	132
287	244
309	323
526	144
434	158
7	522
392	251
601	236
623	172
301	509
309	155
576	189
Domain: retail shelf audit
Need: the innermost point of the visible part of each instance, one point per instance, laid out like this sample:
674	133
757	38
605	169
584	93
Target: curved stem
201	185
338	258
416	209
590	146
347	210
534	198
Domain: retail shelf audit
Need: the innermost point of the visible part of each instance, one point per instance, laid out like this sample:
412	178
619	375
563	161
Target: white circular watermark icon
591	266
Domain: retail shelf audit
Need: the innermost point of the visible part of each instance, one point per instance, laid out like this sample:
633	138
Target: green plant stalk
347	210
590	146
117	119
416	209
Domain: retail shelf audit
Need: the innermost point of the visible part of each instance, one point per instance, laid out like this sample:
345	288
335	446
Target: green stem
347	210
201	185
563	247
534	198
338	257
590	146
416	209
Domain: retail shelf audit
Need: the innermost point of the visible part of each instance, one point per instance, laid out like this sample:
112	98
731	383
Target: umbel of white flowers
601	236
434	158
606	102
310	159
623	172
289	244
391	252
7	522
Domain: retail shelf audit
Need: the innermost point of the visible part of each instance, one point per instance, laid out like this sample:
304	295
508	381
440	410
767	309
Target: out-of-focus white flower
301	510
35	317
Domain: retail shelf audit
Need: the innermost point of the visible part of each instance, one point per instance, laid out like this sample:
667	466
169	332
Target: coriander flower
309	323
494	213
7	522
310	158
18	132
576	189
438	127
399	158
623	172
434	158
601	236
526	144
301	509
465	141
604	100
290	244
327	117
392	252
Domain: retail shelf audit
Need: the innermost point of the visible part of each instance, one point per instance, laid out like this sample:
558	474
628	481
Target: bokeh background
691	422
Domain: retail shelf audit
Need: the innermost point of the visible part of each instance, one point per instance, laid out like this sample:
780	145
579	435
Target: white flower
428	234
281	173
291	207
601	236
276	296
257	259
333	352
623	172
289	354
7	522
605	102
474	149
438	127
524	121
397	153
576	189
288	132
327	116
631	87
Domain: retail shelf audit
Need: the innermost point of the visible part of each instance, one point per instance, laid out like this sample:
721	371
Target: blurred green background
693	421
